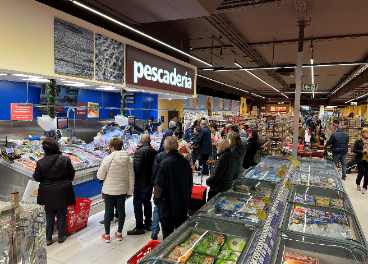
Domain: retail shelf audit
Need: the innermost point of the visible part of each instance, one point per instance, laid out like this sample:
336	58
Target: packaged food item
211	244
234	244
234	256
336	203
322	201
191	241
309	199
223	261
201	259
224	254
180	254
294	258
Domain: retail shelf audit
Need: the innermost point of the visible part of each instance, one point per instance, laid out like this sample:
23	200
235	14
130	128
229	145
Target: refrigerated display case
255	187
234	207
261	173
318	166
333	223
319	180
203	240
273	162
295	249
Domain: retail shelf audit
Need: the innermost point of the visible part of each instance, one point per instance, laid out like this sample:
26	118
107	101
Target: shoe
147	228
135	232
358	187
363	191
344	179
48	242
102	222
106	238
61	240
154	237
118	237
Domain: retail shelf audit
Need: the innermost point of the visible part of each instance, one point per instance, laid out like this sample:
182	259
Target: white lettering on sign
163	76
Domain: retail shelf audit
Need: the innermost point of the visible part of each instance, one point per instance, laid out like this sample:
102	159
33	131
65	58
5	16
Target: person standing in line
238	150
222	175
117	172
301	133
188	131
55	174
173	188
179	125
250	150
215	137
196	156
264	138
143	162
183	146
339	142
168	133
318	136
361	151
203	141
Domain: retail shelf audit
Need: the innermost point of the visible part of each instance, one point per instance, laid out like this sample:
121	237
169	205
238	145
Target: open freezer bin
235	207
320	196
332	223
201	240
295	249
319	180
261	173
255	187
318	167
273	162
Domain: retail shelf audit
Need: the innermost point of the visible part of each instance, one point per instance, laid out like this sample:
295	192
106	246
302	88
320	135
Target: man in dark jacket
143	162
168	133
179	125
188	135
151	127
173	188
222	174
204	144
339	142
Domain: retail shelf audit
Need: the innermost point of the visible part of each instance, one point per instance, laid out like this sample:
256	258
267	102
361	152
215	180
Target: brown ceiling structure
260	33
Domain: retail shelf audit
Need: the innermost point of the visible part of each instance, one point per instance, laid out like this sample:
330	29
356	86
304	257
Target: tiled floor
86	246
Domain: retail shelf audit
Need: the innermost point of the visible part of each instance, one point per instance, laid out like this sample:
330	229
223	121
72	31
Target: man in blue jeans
142	194
204	144
339	142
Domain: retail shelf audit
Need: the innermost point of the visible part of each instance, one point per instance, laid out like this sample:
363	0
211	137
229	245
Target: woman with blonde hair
361	151
238	150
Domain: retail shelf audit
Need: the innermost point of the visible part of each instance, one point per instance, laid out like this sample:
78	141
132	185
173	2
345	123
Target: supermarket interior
237	129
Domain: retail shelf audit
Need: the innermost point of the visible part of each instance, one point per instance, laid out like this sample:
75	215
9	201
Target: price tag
24	157
290	158
41	150
261	214
9	150
280	174
34	157
266	200
295	164
33	147
279	154
284	168
288	184
84	145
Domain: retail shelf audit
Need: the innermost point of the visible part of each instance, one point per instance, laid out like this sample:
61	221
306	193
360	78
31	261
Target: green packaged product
191	241
201	259
211	244
234	256
234	244
223	261
224	254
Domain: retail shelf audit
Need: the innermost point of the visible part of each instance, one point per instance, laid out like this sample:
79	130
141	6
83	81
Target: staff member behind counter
152	127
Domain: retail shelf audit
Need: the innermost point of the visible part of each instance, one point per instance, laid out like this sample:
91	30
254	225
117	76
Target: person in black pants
361	151
250	150
204	144
55	174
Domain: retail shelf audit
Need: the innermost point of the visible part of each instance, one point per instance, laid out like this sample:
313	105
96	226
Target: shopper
301	133
55	174
117	172
179	125
264	138
196	156
318	136
188	131
339	142
152	127
204	146
222	175
168	133
173	188
214	133
238	150
143	188
251	150
361	151
248	130
183	146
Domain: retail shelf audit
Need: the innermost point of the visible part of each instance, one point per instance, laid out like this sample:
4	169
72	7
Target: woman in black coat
318	136
250	150
55	174
361	151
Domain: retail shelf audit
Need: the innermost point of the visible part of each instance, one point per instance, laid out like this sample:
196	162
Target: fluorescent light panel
251	73
237	64
141	33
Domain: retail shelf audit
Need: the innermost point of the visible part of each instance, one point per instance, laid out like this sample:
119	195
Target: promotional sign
310	87
130	98
20	112
149	70
81	112
93	110
354	103
209	102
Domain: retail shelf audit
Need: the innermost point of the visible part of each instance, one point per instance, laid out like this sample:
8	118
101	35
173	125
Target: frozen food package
180	254
211	244
201	259
223	261
294	258
322	201
336	203
234	244
234	256
191	241
224	254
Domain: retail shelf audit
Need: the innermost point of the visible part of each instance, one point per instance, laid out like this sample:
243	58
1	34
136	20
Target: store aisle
86	246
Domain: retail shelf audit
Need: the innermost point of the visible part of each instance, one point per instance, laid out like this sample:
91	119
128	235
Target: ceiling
255	33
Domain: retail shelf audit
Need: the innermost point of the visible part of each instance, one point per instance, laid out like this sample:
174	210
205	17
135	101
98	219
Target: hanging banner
209	102
21	112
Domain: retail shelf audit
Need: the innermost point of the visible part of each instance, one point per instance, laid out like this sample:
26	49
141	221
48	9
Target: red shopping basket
77	216
144	252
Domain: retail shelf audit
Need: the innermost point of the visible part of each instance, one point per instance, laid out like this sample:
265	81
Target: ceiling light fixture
36	80
237	64
352	76
139	32
1	74
312	73
251	73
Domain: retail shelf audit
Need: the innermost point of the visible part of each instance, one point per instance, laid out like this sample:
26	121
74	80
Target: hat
151	118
